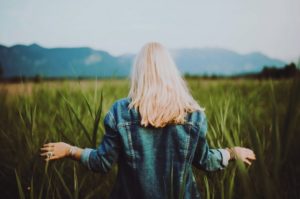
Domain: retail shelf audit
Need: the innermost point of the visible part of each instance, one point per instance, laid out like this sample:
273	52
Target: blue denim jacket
153	162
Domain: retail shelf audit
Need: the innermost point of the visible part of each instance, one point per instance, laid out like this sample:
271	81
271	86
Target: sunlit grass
262	115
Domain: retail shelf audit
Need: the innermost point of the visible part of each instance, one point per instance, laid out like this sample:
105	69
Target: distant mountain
32	60
221	61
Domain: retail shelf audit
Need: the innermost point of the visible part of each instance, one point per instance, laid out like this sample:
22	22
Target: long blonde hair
157	88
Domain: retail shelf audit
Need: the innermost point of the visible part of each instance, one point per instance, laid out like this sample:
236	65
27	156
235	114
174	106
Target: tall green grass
262	115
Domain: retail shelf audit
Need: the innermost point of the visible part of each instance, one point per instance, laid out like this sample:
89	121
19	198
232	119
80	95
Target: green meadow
263	115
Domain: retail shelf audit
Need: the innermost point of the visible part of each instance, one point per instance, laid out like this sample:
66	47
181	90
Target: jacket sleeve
102	158
205	158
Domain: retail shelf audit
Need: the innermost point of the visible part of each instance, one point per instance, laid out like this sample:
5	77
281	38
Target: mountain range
32	60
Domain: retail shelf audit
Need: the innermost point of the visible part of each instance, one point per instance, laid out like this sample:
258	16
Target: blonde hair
157	88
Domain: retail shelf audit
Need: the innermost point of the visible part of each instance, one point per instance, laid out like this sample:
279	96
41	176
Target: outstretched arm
214	159
100	159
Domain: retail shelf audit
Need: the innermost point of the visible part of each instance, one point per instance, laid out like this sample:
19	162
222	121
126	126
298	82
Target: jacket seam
131	148
185	155
113	118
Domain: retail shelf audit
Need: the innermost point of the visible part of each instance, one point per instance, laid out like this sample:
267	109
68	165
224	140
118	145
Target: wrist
72	151
67	150
232	153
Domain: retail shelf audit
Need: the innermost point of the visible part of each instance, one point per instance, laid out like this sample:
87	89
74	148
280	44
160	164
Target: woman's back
153	162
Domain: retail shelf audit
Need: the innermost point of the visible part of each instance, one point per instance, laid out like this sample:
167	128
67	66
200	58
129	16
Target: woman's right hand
56	150
244	154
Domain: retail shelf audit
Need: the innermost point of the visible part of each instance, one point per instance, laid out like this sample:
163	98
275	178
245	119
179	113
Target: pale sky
269	26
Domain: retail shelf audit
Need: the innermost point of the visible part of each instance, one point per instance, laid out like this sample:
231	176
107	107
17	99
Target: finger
44	154
46	149
251	157
247	161
52	158
49	145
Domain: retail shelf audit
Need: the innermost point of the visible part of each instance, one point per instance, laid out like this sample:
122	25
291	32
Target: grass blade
63	183
97	121
20	189
85	131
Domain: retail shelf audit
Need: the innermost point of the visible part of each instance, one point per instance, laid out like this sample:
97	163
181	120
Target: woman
155	135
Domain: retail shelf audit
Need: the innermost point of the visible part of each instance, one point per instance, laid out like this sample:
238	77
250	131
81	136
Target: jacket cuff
85	156
225	157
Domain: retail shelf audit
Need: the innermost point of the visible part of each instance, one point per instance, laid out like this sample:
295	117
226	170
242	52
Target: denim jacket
153	162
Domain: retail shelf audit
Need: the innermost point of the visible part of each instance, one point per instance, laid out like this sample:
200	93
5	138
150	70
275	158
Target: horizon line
295	59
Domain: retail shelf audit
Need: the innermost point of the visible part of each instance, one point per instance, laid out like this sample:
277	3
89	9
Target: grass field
260	114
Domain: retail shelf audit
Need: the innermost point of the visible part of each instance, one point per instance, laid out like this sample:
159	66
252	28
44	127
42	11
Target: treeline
40	78
288	71
268	72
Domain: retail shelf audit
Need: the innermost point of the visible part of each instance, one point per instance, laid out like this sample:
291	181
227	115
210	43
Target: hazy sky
269	26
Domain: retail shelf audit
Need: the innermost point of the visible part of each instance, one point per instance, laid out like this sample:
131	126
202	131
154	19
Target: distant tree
287	71
298	65
38	78
290	70
1	70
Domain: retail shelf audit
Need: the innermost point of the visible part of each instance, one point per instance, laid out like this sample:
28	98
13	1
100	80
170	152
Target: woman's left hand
244	154
54	151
